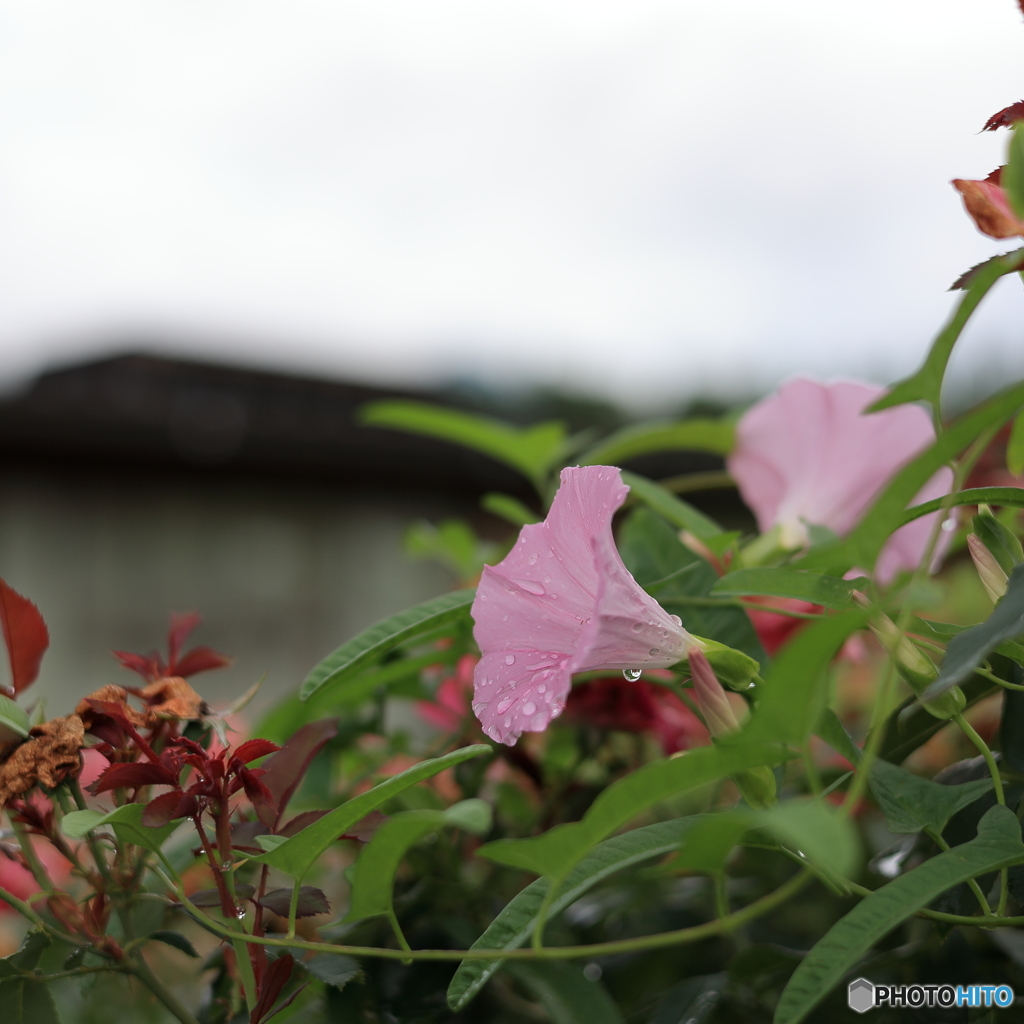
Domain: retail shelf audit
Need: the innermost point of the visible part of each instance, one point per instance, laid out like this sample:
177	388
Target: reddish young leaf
273	981
25	634
200	659
250	750
167	807
365	828
259	796
182	627
119	776
1006	117
312	901
299	822
149	666
284	771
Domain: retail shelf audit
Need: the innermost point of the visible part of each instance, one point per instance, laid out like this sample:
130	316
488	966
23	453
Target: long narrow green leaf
997	845
556	852
792	698
1012	178
834	733
373	881
968	649
679	513
829	591
862	545
296	855
514	925
568	995
533	451
1011	497
126	822
911	803
926	384
383	636
703	435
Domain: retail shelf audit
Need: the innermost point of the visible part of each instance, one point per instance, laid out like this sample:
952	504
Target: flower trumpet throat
912	664
756	784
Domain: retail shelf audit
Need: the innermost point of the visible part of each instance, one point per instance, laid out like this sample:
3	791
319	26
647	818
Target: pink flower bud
989	207
711	697
993	579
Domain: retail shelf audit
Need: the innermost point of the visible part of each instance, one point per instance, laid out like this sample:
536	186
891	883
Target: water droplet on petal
549	696
653	652
678	621
510	659
637	627
631	675
533	558
532	587
504	618
504	706
508	721
529	707
541	688
539	722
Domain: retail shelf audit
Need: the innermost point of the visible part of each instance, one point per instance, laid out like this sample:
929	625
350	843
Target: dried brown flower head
48	756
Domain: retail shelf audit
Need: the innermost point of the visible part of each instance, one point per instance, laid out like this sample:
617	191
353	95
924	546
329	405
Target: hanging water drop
631	675
678	621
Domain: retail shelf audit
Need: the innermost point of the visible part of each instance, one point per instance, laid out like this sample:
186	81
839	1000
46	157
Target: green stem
537	940
983	748
399	934
813	776
141	970
35	865
660	941
721	895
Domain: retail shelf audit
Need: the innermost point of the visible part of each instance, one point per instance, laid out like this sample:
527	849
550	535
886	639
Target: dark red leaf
167	807
284	771
243	835
273	981
300	821
259	796
118	776
149	666
311	901
1006	117
250	750
182	627
200	659
364	829
25	634
286	1002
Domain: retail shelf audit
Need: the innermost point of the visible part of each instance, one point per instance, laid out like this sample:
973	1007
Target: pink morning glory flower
807	456
562	602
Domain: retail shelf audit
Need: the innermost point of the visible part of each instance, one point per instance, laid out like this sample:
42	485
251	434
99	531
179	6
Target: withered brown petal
48	756
173	697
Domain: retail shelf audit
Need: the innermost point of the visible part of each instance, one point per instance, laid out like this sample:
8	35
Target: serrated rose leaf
250	750
120	776
284	771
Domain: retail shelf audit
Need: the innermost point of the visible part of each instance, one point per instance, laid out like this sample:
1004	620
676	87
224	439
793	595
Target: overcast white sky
640	198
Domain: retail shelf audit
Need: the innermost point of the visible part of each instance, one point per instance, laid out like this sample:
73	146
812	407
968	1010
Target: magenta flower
562	602
807	456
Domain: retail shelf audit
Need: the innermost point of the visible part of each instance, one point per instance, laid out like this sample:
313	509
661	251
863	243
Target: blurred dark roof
145	414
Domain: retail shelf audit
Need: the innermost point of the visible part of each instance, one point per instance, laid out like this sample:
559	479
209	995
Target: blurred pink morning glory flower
562	602
806	455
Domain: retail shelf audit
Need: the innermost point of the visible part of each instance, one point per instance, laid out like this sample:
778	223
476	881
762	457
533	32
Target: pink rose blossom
563	602
806	455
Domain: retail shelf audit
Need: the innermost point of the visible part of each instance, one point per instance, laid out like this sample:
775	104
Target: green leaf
513	927
451	542
512	510
792	698
76	824
332	969
1010	497
708	844
175	939
834	733
997	845
926	384
373	880
567	994
1003	545
1012	178
383	636
682	581
829	591
533	451
718	436
1015	446
968	649
13	716
557	851
913	804
297	854
127	823
864	542
26	1002
679	513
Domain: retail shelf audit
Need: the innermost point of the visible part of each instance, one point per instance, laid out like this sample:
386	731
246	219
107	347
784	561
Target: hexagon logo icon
860	996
